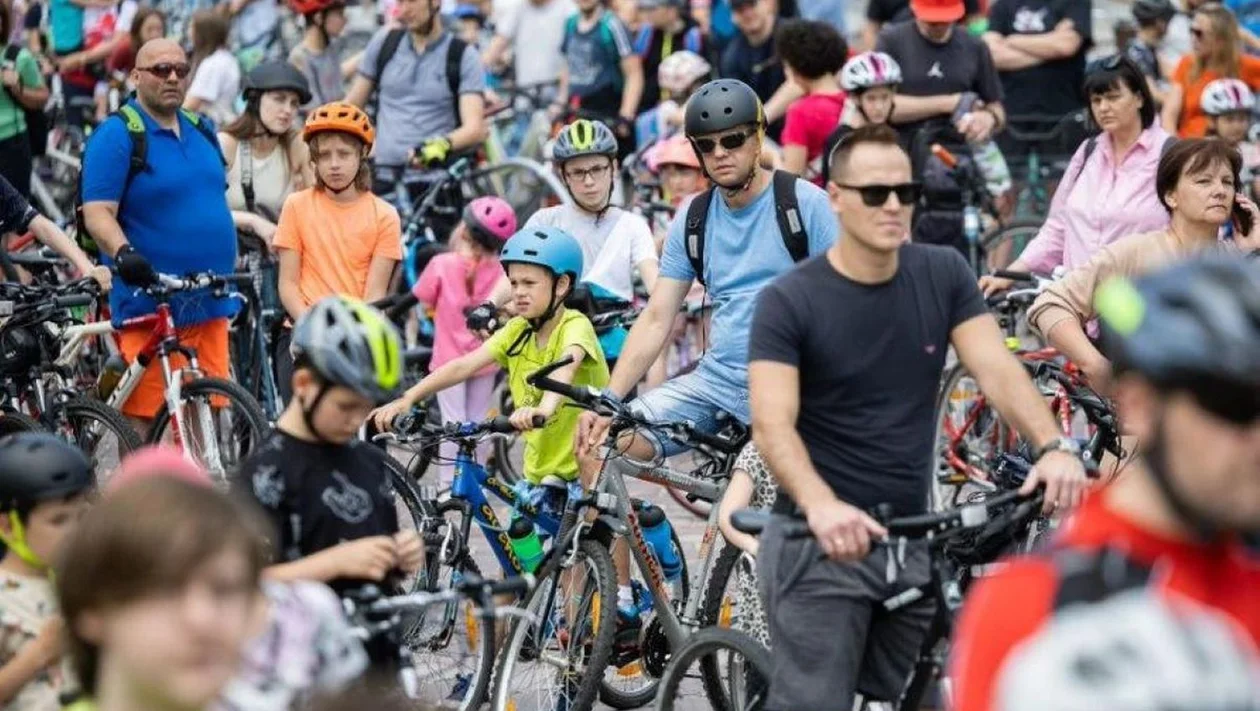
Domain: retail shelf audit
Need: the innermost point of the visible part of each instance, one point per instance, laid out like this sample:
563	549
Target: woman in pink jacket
1108	191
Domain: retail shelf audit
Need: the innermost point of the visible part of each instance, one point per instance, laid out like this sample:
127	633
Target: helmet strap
17	545
1156	457
308	412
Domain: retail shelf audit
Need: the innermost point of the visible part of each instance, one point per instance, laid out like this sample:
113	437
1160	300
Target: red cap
938	10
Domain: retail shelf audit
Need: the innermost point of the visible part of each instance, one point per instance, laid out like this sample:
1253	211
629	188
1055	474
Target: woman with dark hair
1197	185
149	23
1216	53
216	75
1108	190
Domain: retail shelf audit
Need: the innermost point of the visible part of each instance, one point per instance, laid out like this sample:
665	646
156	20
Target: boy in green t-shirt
543	265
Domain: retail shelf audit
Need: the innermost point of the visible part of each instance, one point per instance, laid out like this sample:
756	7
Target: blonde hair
1227	61
363	179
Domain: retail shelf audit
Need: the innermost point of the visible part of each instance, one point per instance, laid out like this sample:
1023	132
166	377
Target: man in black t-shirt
1039	49
846	353
750	56
880	13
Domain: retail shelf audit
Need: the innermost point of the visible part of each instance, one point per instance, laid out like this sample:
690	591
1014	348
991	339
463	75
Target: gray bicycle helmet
1132	652
38	466
721	105
351	344
1150	10
1193	325
584	138
275	76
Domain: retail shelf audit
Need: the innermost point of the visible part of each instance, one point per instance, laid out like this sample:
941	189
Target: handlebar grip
943	155
1015	276
501	425
401	306
512	586
72	300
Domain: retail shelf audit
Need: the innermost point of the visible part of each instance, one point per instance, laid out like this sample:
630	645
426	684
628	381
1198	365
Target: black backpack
786	211
454	57
139	161
36	119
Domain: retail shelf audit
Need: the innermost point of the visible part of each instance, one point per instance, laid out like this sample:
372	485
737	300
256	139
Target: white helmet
681	70
869	70
1133	652
1224	96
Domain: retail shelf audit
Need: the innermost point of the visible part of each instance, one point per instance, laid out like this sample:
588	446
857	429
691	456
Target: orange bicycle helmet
343	117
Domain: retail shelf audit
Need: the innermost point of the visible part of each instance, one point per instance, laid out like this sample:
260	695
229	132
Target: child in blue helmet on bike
542	264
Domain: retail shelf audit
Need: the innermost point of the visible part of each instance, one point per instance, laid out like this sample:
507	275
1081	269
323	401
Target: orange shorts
209	339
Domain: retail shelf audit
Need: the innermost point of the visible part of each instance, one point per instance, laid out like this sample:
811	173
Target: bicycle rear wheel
1004	245
12	422
969	437
746	661
99	430
222	425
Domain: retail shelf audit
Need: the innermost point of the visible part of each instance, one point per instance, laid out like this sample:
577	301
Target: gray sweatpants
831	636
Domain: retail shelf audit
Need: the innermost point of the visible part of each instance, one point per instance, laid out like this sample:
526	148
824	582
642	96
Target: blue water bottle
659	535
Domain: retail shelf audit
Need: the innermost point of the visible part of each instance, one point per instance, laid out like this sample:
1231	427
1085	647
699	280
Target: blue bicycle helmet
466	11
549	247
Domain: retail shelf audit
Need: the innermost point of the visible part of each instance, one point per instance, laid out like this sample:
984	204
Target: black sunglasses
877	195
1106	64
731	141
1228	403
163	71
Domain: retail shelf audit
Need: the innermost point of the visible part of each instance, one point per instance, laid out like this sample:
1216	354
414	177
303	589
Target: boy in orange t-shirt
337	237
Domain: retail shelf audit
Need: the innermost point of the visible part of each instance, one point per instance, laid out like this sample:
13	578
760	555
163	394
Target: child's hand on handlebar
523	418
383	417
991	285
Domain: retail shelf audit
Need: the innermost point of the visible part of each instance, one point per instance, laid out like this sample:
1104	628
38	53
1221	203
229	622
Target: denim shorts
695	397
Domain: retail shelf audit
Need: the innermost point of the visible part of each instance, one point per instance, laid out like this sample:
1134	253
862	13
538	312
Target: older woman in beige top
1196	181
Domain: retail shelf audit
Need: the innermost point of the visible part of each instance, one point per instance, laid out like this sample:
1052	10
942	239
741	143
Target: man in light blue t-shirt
744	250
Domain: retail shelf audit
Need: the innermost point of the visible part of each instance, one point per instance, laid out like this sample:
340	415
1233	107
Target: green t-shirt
549	450
12	119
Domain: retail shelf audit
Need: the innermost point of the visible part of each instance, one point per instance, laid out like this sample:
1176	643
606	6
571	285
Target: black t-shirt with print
870	358
1051	88
320	495
961	64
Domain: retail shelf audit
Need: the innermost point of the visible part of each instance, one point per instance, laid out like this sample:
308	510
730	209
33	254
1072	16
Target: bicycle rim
219	425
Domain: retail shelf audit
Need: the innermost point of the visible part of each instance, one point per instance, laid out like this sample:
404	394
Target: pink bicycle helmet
1226	96
675	150
491	220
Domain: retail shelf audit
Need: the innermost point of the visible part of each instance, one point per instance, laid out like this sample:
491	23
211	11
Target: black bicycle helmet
1150	10
1193	325
275	76
39	466
721	105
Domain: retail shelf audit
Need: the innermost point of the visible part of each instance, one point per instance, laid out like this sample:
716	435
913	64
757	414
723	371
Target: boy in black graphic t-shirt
329	494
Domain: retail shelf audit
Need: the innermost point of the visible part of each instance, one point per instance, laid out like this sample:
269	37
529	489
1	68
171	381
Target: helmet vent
531	253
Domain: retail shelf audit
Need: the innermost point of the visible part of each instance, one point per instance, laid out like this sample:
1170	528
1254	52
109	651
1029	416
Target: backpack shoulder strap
1090	145
454	63
1168	143
388	49
788	214
202	124
693	231
139	140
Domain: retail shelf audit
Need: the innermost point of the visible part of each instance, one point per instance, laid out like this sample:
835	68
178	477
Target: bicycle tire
13	422
706	644
240	401
79	411
1011	232
714	612
620	699
941	411
601	628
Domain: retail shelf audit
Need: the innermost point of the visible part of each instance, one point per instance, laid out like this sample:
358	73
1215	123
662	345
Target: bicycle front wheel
220	424
557	658
746	661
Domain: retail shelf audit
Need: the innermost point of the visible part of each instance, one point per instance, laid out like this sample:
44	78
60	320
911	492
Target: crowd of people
814	217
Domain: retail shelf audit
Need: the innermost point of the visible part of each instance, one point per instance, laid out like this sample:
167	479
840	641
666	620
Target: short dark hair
1107	74
877	133
1192	155
812	49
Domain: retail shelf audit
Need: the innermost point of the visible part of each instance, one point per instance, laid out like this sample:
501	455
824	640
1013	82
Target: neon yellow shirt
549	450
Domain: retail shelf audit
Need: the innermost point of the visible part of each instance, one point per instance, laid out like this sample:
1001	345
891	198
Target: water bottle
993	168
659	535
111	372
525	543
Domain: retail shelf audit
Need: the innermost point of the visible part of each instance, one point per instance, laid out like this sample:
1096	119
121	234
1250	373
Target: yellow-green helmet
584	138
351	344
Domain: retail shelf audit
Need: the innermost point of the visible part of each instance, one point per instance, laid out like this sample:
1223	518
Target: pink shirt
808	122
1105	203
444	286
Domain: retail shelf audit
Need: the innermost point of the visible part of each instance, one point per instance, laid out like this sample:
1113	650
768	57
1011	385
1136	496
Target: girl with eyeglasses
1216	52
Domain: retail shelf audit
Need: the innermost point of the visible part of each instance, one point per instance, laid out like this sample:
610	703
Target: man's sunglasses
731	141
1227	402
164	71
877	195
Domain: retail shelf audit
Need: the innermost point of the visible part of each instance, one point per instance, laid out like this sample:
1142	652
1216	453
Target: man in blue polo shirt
171	218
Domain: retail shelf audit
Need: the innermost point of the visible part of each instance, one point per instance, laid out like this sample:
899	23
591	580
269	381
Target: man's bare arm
775	399
649	334
360	90
908	109
472	127
782	98
1059	44
101	220
1007	58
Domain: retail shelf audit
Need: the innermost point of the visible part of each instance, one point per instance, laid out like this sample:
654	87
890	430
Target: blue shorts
696	397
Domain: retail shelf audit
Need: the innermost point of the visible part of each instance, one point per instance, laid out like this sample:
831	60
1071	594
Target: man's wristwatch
1058	444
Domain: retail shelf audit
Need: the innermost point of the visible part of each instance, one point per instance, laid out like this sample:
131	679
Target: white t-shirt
102	23
611	249
217	82
536	31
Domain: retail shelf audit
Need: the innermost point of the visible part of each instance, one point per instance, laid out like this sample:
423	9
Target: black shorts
830	634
